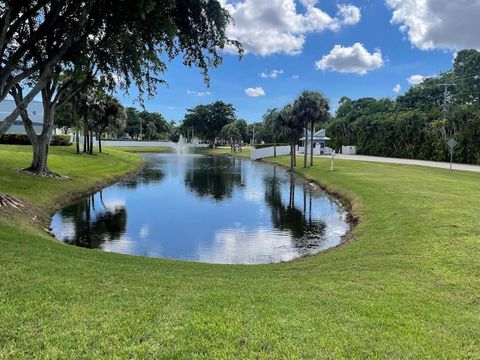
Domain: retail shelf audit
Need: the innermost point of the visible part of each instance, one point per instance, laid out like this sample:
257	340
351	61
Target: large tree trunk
311	141
305	147
40	143
40	156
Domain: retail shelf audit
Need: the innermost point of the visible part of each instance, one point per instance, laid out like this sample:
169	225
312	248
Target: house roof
318	136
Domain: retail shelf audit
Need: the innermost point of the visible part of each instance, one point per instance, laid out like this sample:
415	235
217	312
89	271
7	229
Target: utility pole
445	105
445	97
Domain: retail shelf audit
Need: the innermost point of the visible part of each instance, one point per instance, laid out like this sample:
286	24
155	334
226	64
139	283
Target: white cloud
349	14
397	88
355	59
295	77
416	79
198	93
438	24
255	92
276	26
272	74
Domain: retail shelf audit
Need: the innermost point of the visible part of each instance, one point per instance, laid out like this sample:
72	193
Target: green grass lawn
144	149
408	286
225	150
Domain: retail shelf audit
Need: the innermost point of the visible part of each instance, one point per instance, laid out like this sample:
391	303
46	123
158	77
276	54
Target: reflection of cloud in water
254	195
64	228
123	245
144	231
242	245
114	203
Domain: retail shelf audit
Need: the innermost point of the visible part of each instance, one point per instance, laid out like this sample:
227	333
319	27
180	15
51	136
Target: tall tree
156	30
24	26
293	128
272	121
309	108
207	121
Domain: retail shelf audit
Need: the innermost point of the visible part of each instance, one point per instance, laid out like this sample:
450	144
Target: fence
316	150
268	152
349	150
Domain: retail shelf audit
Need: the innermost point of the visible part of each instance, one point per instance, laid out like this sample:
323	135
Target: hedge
22	139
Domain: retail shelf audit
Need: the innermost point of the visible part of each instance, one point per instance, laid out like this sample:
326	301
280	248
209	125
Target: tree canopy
207	121
418	123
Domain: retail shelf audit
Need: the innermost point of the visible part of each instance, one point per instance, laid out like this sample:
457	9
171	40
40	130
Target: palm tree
107	112
293	129
310	107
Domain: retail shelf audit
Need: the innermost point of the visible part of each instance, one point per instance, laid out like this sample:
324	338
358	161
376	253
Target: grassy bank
407	287
143	149
225	150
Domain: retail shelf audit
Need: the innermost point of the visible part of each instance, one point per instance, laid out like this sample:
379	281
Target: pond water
207	209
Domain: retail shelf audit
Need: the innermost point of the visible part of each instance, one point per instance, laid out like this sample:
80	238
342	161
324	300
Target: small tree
272	122
108	113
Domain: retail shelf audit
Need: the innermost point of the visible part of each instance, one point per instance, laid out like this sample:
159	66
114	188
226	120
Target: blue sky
292	40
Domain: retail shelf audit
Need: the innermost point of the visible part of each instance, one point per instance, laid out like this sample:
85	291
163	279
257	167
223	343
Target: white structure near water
319	143
262	153
35	111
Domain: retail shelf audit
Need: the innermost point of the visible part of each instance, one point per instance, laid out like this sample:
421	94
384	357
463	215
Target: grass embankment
224	150
407	287
142	149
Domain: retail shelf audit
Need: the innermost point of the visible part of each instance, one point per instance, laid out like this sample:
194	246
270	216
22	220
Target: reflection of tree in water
215	177
305	231
148	175
93	227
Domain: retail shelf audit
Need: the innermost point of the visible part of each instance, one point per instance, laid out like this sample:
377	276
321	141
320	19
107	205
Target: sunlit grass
408	286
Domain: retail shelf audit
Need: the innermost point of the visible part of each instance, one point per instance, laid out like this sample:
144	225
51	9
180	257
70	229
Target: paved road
441	165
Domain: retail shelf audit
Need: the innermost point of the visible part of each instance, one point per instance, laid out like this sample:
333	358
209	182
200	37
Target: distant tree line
419	123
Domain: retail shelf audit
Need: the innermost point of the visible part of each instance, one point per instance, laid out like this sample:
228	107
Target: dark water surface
208	209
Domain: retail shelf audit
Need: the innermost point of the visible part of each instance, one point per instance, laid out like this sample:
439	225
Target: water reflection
91	222
306	231
214	177
149	174
211	209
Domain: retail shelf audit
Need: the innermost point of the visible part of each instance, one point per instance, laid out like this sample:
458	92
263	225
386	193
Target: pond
209	209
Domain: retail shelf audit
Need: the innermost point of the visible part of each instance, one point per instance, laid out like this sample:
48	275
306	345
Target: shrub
22	139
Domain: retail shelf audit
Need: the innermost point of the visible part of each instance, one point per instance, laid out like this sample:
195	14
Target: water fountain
182	146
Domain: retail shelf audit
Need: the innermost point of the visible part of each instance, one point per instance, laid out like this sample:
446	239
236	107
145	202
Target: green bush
22	139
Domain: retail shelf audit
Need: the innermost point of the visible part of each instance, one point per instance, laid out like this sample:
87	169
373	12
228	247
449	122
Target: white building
319	143
35	111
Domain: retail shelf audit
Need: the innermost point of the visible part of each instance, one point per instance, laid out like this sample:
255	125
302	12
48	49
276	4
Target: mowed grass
142	149
226	150
408	286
